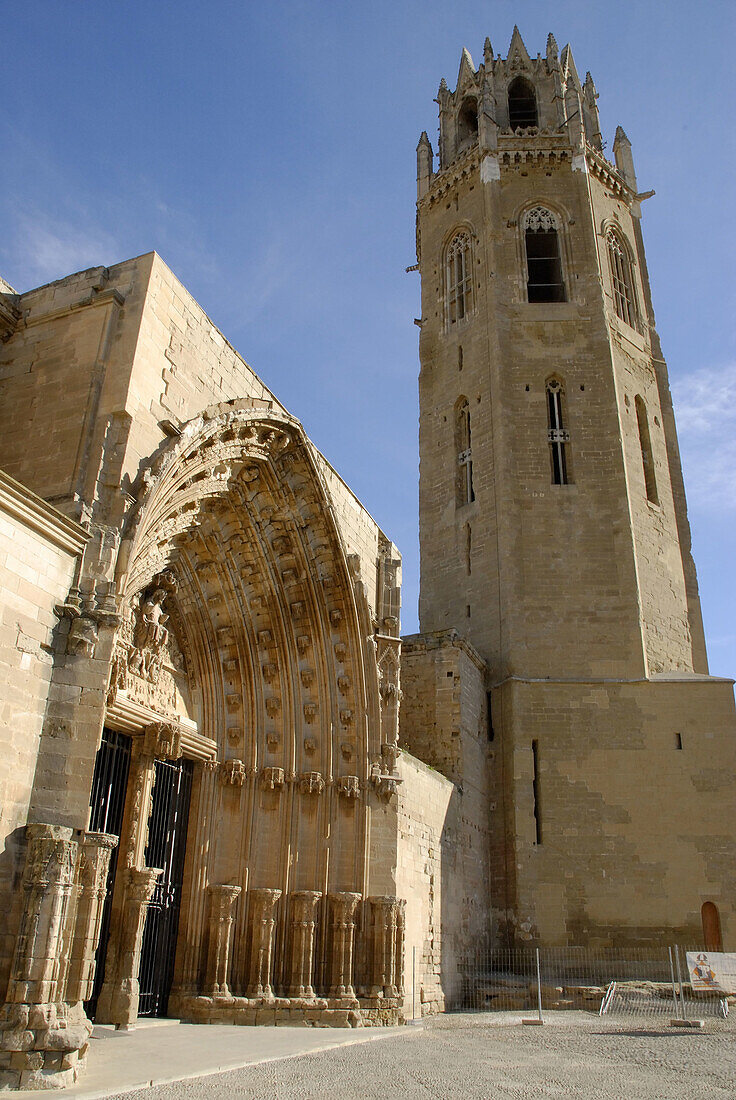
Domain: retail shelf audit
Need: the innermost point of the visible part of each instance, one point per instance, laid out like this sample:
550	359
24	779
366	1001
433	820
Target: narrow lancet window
543	263
535	793
465	493
522	104
557	434
621	278
458	277
645	443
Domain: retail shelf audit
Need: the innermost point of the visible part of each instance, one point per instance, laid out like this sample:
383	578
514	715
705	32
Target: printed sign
714	970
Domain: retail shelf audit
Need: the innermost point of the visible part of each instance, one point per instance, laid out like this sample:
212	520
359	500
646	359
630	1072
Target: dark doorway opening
107	807
167	838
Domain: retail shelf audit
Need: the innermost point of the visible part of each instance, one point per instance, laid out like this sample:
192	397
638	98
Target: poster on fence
714	970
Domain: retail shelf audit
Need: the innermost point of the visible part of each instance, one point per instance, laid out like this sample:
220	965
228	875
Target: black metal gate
107	806
167	836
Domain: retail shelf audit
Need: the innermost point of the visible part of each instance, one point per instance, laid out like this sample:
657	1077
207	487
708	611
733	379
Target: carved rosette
342	923
222	899
303	906
262	922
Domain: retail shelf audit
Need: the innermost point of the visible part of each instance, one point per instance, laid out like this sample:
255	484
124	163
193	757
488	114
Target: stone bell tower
553	528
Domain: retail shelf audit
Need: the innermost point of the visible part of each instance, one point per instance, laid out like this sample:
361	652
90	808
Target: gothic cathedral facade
230	791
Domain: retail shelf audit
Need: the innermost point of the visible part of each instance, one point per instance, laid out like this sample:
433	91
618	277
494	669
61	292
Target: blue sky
268	154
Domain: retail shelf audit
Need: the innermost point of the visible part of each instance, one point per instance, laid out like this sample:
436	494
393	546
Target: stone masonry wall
444	722
634	830
38	554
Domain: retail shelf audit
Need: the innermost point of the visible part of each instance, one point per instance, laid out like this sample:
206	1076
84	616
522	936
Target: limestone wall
39	550
634	830
443	831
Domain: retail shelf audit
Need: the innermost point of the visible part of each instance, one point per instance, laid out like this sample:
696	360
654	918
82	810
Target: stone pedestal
303	905
262	923
387	935
342	912
223	900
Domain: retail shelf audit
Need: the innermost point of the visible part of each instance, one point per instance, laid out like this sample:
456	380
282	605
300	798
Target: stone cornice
438	639
22	504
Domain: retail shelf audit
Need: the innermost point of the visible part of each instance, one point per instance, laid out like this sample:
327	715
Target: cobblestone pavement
475	1058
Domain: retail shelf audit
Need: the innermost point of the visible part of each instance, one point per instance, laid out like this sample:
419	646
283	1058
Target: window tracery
621	278
458	277
545	282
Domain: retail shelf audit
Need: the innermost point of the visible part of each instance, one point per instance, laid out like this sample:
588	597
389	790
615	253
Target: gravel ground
477	1057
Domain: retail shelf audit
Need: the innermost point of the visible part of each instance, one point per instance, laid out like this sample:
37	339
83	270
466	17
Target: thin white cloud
705	408
43	249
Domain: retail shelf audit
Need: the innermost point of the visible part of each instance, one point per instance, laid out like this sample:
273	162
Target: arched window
543	263
522	104
458	278
557	435
467	123
645	444
621	278
464	477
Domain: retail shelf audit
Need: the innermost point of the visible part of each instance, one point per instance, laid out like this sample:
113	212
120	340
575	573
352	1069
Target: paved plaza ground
479	1057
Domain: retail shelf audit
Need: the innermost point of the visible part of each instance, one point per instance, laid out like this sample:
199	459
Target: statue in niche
150	635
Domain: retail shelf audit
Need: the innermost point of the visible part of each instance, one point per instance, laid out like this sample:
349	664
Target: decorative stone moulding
310	745
348	786
264	637
307	677
231	664
233	700
343	684
269	670
298	609
225	636
234	773
272	779
310	712
336	616
162	740
303	643
347	748
289	576
340	650
234	735
282	544
273	739
273	706
346	717
384	785
311	783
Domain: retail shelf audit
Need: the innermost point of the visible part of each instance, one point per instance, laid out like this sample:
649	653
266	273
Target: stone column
303	904
42	1039
262	925
139	889
384	943
95	850
343	907
400	938
202	828
223	899
48	880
